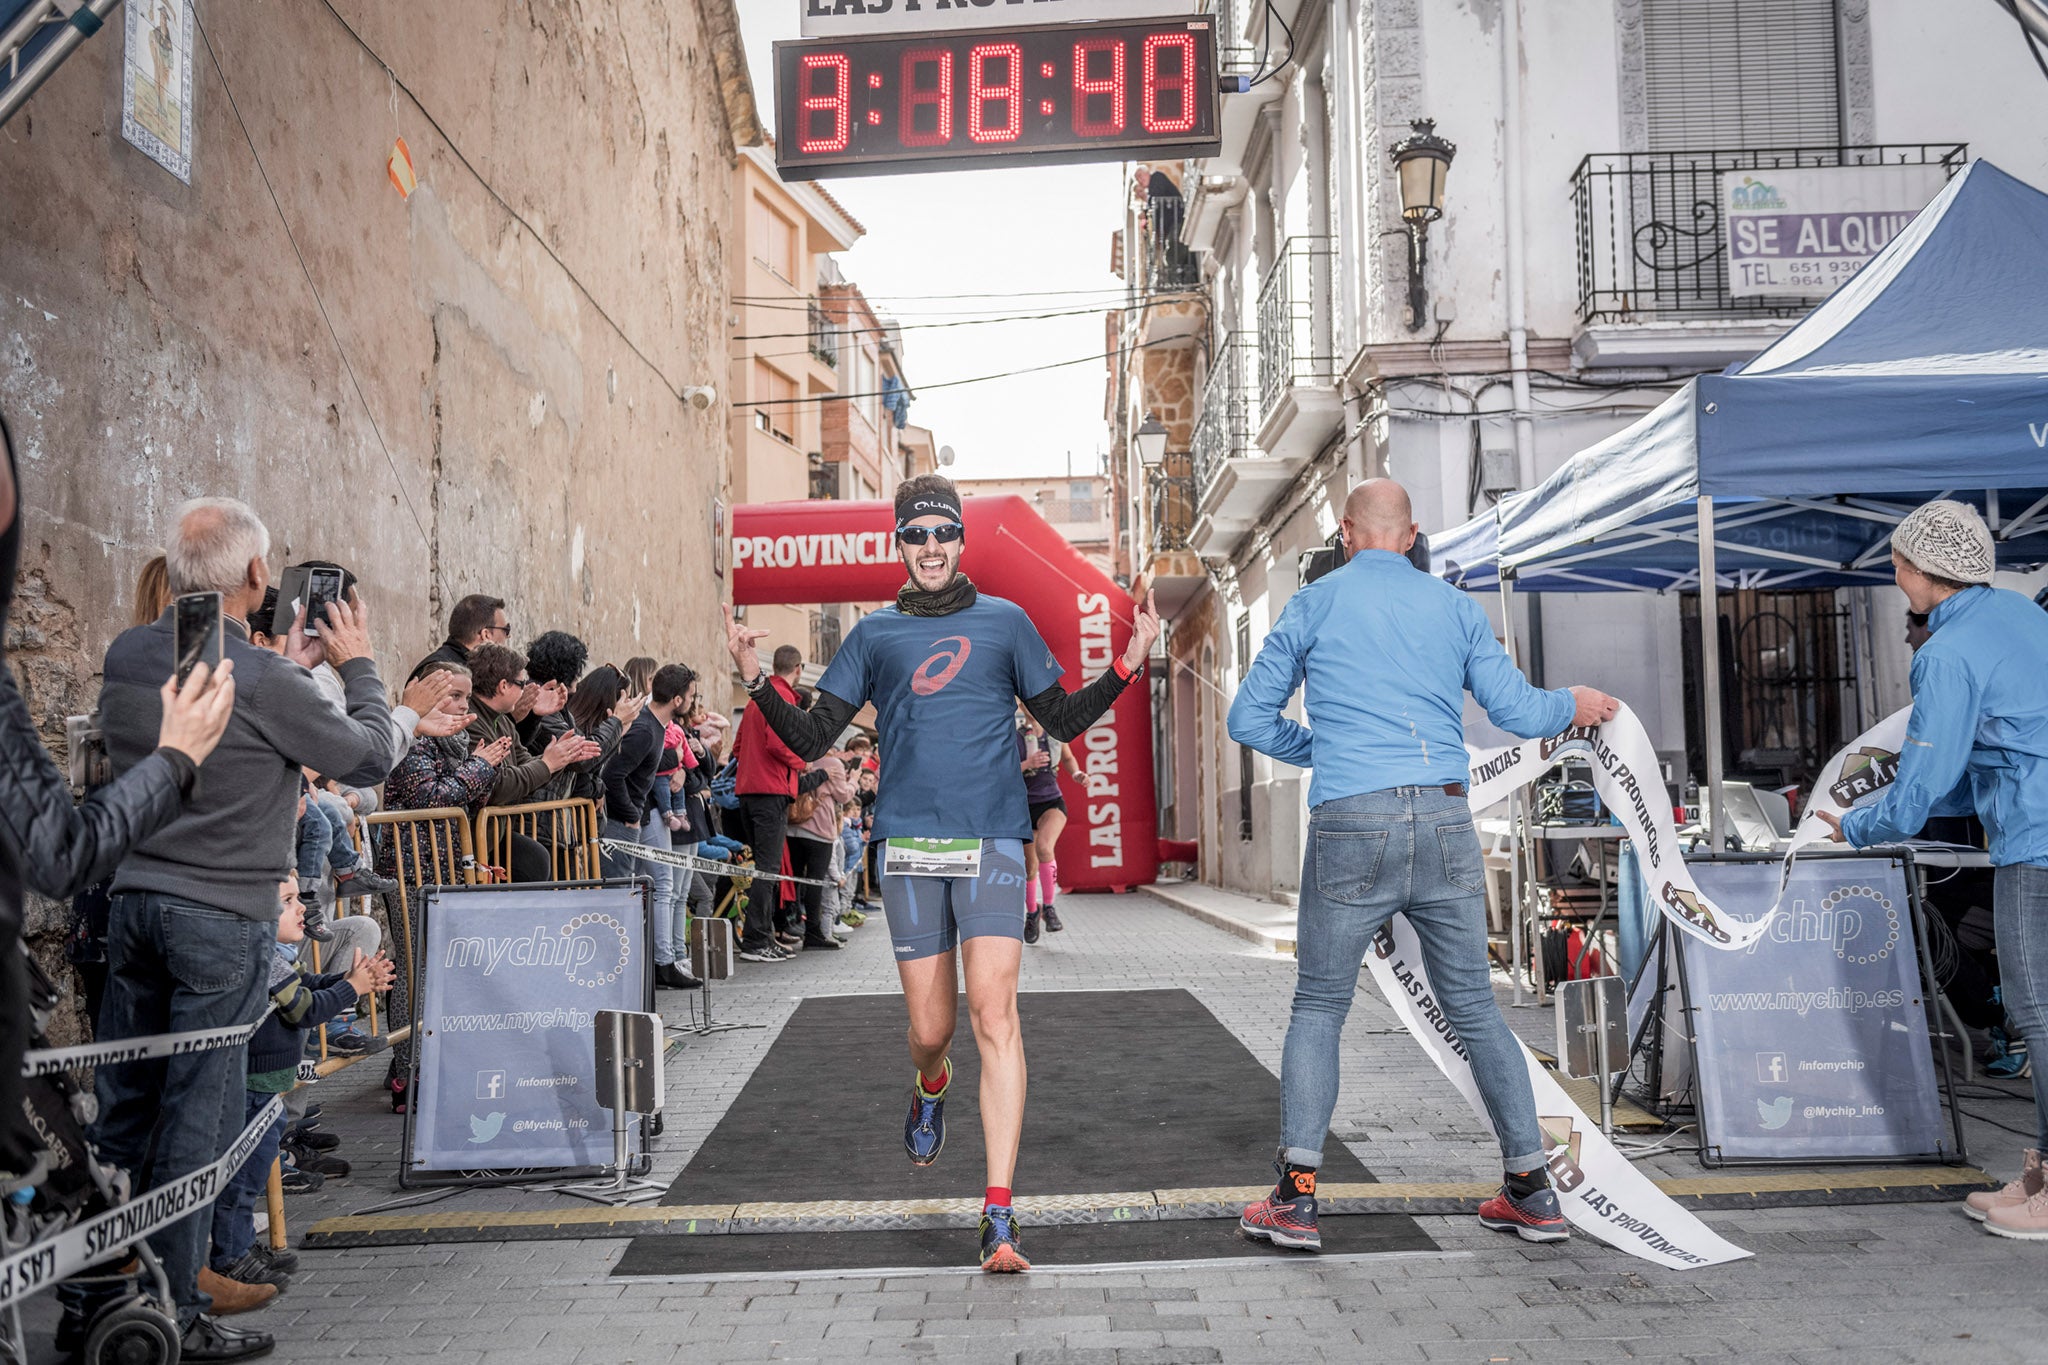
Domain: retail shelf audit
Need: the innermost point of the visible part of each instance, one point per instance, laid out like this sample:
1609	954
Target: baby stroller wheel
135	1332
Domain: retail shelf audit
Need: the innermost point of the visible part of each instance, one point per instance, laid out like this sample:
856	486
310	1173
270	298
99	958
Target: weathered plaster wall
509	423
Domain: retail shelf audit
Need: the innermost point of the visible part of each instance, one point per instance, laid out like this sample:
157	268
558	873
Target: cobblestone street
1870	1283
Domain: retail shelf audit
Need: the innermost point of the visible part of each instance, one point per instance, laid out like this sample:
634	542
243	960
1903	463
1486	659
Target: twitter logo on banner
1772	1116
482	1130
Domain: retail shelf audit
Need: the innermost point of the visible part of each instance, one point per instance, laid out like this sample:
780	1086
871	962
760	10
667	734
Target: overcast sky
1023	232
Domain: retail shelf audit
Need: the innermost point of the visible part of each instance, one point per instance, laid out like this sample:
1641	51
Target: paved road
1874	1283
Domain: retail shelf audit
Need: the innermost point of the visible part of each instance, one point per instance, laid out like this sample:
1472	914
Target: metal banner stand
634	1044
711	959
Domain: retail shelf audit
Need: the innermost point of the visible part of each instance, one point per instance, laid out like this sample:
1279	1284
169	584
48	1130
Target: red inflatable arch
825	551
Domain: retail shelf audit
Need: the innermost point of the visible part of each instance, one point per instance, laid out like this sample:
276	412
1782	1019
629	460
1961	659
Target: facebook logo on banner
490	1085
1770	1068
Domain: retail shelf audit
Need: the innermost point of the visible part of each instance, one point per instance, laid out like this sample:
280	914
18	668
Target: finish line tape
44	1263
49	1061
716	869
1625	773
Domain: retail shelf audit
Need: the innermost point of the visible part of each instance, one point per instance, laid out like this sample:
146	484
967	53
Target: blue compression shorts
930	915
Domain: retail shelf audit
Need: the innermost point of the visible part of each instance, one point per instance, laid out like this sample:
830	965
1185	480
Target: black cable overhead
220	73
1101	358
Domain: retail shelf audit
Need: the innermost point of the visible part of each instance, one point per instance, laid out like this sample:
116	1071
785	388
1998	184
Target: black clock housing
951	101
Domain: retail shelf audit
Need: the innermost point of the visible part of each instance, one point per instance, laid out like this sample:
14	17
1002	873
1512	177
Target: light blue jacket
1387	653
1979	729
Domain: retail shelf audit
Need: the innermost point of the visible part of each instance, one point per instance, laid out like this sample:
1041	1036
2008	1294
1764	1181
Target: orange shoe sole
1006	1260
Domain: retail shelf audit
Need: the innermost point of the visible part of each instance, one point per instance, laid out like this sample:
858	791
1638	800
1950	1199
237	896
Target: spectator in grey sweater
194	906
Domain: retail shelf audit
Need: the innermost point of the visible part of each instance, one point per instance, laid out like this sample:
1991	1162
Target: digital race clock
1059	92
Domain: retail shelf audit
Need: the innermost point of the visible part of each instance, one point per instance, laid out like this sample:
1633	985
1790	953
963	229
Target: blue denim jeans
325	841
234	1209
2019	919
1410	849
174	966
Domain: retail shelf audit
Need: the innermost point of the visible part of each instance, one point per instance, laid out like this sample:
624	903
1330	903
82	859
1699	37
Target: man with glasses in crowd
478	619
945	668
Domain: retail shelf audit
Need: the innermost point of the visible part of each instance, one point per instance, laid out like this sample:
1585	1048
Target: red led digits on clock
1088	89
1007	92
937	63
1153	83
837	101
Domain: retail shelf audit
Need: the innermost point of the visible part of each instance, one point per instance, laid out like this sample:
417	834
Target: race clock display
1054	93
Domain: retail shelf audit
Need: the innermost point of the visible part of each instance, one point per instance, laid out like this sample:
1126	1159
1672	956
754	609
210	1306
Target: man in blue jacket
1978	740
1385	655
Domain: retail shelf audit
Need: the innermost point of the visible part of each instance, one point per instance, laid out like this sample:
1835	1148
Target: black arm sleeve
809	733
1065	715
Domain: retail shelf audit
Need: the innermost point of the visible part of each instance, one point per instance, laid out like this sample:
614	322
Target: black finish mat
1049	1248
1129	1090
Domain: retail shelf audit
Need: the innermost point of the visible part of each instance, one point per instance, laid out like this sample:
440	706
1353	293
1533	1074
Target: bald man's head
1378	516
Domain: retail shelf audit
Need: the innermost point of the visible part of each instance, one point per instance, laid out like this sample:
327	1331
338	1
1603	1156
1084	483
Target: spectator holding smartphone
58	848
195	907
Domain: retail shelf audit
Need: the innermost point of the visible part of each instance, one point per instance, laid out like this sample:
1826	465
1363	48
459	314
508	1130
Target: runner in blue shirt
945	668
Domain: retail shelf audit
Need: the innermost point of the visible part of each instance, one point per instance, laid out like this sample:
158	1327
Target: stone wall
474	389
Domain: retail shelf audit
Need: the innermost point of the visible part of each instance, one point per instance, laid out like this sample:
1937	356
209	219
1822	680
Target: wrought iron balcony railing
1173	511
1236	55
1295	345
1651	243
824	335
1171	265
1223	429
825	635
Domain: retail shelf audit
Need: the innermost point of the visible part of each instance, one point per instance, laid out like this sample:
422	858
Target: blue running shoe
924	1131
1000	1254
2009	1057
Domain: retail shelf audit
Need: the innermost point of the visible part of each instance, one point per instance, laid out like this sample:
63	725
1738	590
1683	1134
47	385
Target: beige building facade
479	385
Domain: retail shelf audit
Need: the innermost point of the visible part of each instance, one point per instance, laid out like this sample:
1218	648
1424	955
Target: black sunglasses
918	535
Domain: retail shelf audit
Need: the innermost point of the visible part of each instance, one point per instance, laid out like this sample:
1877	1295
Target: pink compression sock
1031	895
1048	880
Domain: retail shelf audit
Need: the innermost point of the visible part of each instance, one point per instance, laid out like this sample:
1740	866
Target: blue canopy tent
1924	376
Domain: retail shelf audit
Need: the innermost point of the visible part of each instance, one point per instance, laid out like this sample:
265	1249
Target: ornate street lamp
1151	441
1423	160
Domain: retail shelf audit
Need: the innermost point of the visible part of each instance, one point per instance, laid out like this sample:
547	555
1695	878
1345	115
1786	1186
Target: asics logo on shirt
934	673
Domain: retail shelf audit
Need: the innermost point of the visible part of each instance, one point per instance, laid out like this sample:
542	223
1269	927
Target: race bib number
932	858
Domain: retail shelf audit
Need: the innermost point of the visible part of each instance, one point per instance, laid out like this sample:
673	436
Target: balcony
824	335
1241	40
1171	265
1236	53
825	635
1235	479
1653	258
1299	405
1173	511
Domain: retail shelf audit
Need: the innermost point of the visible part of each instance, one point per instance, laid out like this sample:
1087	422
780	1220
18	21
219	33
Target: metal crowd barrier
422	848
565	830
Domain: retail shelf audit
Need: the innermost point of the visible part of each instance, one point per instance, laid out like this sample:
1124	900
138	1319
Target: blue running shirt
945	690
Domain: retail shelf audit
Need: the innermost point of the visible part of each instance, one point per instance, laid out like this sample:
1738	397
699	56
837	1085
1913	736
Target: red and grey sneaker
1289	1223
1535	1217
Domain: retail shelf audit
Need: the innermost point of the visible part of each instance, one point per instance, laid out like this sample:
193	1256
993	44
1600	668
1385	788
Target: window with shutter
1725	74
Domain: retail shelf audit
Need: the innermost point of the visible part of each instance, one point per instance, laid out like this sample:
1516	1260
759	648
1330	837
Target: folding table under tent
1924	376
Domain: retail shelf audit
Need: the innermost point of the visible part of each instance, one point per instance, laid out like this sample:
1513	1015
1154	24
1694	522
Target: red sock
933	1085
998	1197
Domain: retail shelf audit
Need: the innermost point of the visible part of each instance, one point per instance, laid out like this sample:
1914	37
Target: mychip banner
512	980
1626	775
1601	1192
1811	1044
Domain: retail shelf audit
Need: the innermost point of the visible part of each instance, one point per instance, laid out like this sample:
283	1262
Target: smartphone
322	587
198	637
